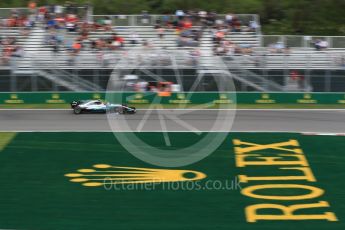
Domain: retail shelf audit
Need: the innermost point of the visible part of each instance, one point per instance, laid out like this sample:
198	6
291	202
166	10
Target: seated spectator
246	49
158	24
253	26
12	22
115	45
166	20
8	48
71	22
134	38
236	24
219	50
147	44
321	45
179	14
210	19
196	35
297	77
184	41
219	36
145	17
278	47
161	32
230	48
202	18
195	55
15	13
219	23
59	19
120	40
187	24
58	9
93	45
228	19
42	12
32	6
27	24
18	51
100	44
107	23
51	23
76	47
84	35
316	44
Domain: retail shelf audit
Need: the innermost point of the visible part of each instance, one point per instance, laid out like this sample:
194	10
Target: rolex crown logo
307	96
102	174
56	96
265	96
223	97
14	96
181	96
96	96
138	96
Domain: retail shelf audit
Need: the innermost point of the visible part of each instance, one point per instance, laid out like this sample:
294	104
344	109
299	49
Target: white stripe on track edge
343	110
159	131
322	134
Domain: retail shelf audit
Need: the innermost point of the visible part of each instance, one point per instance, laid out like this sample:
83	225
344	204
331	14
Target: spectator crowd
9	47
68	28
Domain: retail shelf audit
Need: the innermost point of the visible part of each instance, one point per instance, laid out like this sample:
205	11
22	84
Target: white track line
160	131
189	109
246	109
322	134
35	110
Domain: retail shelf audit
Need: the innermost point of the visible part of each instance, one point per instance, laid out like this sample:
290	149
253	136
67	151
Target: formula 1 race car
97	106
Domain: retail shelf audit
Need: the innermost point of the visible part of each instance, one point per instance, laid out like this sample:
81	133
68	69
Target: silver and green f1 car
97	106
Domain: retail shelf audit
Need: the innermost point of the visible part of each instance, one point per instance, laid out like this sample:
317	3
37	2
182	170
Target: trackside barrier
175	98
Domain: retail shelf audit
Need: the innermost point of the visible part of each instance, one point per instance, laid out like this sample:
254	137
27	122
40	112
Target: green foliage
316	17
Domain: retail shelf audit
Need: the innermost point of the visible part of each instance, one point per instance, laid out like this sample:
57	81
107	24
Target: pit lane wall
175	98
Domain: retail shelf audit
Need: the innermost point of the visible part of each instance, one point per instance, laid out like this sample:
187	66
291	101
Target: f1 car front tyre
77	110
131	110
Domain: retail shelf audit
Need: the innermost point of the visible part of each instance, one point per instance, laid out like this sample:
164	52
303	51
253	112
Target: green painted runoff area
36	193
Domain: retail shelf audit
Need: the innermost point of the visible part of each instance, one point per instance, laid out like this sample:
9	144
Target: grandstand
256	62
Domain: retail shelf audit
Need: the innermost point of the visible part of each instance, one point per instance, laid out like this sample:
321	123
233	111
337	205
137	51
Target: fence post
330	42
154	19
13	82
89	13
283	40
131	20
261	40
34	83
113	22
328	81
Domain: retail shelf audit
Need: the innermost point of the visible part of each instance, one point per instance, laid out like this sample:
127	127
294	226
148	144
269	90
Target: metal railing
265	71
302	41
334	59
84	12
327	60
150	19
6	12
129	20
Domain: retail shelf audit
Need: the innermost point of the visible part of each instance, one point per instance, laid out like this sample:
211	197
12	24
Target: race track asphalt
326	121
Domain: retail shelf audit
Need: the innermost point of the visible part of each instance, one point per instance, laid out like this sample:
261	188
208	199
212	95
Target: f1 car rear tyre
119	110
